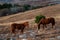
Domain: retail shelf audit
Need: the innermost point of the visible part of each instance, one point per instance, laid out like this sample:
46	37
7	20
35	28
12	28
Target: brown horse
20	26
45	21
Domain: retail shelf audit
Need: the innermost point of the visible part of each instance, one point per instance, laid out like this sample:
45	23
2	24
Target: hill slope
50	11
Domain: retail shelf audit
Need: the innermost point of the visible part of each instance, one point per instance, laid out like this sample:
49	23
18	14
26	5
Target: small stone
24	39
58	37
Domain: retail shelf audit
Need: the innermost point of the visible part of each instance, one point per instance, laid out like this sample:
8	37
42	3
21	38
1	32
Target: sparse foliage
38	18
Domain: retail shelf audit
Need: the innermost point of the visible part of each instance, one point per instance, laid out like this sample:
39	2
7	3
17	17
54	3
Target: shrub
26	6
5	5
38	18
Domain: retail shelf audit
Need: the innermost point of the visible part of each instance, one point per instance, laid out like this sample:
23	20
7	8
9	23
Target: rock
23	39
52	38
23	36
1	39
58	37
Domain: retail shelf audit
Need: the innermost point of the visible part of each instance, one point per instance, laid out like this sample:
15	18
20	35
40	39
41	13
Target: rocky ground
32	33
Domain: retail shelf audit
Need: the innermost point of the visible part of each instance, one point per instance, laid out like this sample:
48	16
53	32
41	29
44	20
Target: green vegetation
38	18
5	5
26	7
15	8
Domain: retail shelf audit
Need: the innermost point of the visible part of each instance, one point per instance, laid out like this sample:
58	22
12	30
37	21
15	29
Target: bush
38	18
26	7
5	5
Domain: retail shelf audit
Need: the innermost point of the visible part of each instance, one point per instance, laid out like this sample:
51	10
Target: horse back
20	26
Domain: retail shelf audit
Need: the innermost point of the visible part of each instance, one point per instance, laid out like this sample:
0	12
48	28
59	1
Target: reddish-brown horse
17	26
45	21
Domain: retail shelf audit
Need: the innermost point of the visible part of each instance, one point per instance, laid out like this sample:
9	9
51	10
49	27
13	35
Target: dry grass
50	11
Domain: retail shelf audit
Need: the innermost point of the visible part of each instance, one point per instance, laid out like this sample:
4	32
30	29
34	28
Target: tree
26	7
9	5
38	18
5	5
16	5
0	6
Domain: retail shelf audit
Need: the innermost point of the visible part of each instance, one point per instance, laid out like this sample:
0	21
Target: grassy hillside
50	11
46	34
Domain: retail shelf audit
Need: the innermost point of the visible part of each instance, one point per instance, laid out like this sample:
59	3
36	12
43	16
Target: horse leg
38	27
53	25
13	30
22	29
43	26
